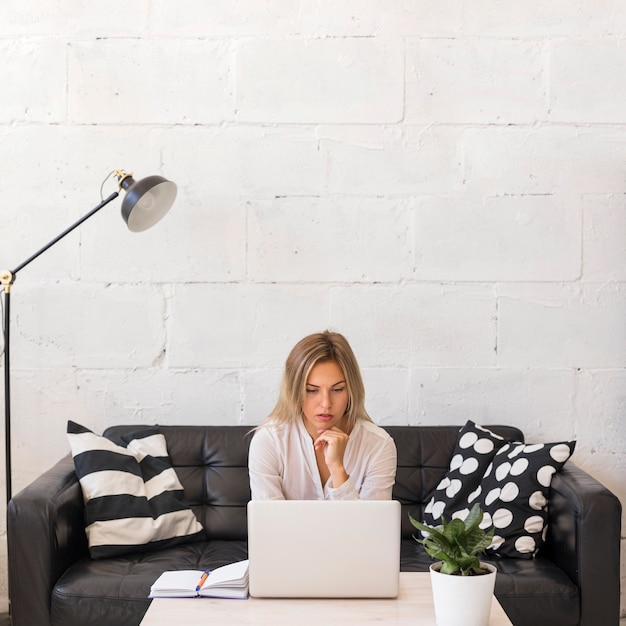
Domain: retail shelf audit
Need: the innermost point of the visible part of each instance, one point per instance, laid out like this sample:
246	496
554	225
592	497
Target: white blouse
282	465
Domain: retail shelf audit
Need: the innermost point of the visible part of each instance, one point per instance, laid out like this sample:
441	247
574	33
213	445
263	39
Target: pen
202	580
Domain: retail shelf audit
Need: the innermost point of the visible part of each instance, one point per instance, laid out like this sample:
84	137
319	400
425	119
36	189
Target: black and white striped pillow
133	498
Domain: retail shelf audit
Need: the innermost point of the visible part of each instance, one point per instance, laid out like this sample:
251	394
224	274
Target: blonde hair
308	352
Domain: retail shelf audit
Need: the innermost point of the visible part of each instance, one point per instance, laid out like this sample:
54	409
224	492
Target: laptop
324	549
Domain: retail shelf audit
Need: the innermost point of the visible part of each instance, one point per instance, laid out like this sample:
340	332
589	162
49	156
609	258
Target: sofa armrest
46	534
584	540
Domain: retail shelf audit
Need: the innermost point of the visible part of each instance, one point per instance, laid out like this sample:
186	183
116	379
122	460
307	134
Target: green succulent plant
457	543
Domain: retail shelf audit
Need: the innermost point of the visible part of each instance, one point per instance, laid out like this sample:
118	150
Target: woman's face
325	398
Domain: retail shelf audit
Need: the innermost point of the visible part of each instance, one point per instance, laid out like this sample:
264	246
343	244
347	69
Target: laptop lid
324	549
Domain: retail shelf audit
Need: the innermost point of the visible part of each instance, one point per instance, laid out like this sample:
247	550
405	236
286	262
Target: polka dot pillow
474	450
514	495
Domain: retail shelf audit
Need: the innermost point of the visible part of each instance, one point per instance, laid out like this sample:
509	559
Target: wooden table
413	606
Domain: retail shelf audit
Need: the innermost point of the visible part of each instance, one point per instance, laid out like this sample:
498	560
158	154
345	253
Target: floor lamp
145	203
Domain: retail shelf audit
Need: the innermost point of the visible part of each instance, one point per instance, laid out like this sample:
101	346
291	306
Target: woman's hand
333	443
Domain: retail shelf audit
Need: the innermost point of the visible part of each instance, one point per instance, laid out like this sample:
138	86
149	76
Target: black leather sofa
573	581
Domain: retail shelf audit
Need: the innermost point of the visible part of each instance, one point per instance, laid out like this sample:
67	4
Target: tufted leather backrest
212	464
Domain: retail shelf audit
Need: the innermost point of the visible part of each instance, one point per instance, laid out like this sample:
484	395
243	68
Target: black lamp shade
146	201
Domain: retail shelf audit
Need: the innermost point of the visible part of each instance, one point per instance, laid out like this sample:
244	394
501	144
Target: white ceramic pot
462	600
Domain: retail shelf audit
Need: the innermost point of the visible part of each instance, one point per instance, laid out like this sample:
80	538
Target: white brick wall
499	238
443	182
327	81
477	81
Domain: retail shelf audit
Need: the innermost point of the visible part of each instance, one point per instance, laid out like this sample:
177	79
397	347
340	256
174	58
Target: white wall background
443	182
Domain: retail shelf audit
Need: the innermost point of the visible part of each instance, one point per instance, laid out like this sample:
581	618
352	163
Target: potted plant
462	584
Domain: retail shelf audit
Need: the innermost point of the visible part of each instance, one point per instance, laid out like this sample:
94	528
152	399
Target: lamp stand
7	278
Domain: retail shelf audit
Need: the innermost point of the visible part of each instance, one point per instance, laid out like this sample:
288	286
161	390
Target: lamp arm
8	281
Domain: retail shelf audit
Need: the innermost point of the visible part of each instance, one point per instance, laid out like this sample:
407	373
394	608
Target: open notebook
324	549
228	581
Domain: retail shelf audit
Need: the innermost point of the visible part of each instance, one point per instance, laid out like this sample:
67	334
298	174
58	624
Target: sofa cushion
474	450
133	498
115	591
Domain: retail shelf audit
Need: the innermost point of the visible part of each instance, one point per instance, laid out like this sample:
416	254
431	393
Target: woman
319	443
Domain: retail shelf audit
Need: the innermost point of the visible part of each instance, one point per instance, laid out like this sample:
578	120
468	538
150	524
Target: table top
413	606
